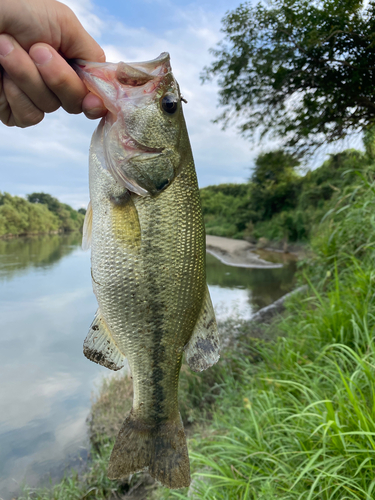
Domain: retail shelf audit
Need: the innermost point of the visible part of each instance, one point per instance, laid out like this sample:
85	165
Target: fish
145	227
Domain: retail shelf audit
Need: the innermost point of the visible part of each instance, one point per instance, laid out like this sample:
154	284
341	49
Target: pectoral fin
100	347
203	349
87	228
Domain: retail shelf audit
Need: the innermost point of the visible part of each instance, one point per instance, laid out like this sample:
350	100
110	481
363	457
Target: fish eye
169	103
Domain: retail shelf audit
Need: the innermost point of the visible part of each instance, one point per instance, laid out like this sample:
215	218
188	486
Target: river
46	308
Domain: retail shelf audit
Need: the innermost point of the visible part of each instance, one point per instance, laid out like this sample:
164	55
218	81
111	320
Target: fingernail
41	55
6	46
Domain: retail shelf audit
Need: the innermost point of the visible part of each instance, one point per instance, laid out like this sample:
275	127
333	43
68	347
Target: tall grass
300	425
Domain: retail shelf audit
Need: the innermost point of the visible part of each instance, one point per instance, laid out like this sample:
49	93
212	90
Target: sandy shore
237	253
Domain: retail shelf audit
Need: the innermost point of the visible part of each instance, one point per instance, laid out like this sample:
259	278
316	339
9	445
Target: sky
53	156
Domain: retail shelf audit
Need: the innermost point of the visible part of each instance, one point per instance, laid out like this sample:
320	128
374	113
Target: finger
93	106
59	77
22	71
24	113
5	111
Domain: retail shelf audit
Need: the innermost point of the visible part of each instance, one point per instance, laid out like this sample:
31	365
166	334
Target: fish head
141	133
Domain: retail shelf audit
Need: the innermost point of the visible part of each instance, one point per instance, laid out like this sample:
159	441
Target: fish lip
150	67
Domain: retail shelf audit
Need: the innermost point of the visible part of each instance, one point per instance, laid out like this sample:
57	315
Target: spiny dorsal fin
203	348
100	347
87	228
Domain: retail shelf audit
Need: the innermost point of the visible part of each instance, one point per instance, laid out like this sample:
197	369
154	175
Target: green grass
300	425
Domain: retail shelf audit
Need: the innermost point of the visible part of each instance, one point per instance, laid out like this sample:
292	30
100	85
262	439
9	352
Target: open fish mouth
124	87
112	81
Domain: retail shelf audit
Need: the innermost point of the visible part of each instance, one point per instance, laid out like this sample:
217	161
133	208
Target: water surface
46	308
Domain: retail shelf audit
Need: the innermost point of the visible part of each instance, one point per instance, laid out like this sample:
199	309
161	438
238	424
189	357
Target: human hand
36	38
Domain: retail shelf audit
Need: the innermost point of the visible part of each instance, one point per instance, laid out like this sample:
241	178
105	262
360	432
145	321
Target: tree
52	203
274	166
300	70
275	184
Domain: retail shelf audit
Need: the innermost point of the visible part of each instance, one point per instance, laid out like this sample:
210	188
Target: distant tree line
38	213
277	202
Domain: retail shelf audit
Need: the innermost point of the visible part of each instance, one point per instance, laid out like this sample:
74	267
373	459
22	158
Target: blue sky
53	156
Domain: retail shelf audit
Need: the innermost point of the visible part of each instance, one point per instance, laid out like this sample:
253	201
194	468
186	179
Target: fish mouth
119	86
134	73
111	81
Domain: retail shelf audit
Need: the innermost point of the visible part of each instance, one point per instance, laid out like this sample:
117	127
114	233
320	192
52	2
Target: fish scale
147	236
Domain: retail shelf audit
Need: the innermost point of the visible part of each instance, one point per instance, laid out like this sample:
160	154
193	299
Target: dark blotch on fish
121	199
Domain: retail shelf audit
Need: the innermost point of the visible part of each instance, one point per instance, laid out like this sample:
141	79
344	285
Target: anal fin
100	347
203	348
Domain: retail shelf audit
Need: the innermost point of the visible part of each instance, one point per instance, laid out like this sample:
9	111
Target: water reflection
17	254
46	307
246	290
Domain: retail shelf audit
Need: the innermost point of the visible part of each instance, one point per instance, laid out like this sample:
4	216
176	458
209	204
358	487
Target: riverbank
241	253
238	253
287	413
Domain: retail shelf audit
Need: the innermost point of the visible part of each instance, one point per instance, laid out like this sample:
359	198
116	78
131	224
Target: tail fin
161	448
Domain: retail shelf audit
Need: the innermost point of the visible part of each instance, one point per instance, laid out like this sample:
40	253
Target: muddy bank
240	253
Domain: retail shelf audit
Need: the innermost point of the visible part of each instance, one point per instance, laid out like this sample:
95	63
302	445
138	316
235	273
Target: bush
43	214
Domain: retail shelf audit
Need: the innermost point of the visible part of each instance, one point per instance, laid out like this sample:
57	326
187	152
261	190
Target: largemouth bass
147	236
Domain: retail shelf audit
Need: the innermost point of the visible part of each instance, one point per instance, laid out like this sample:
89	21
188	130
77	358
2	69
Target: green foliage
297	69
225	208
300	424
336	239
18	216
40	213
275	185
369	142
277	203
274	166
53	204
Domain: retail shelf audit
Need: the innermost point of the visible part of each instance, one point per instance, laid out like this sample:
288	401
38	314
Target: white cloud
84	10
